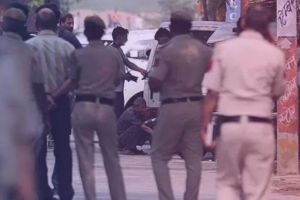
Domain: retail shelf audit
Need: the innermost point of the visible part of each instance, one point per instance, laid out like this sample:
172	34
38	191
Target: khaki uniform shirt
98	69
181	65
54	56
247	72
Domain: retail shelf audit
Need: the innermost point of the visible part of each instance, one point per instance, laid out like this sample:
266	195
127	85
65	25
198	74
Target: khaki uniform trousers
177	130
245	156
88	118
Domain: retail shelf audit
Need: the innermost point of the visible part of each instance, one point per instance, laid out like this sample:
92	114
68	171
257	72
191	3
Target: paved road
139	180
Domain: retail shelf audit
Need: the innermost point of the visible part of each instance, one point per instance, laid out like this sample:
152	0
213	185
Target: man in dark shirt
65	30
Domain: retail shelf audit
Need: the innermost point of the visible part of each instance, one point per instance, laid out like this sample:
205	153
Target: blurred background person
246	76
21	84
25	34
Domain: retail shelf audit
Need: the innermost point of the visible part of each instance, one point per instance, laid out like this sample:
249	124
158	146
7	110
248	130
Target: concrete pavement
139	180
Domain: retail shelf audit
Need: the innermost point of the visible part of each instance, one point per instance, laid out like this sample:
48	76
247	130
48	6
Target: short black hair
53	7
12	25
180	26
258	17
119	31
65	17
93	28
20	6
162	32
46	20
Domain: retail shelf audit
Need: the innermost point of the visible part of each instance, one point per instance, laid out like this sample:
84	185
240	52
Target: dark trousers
119	104
60	124
43	189
132	137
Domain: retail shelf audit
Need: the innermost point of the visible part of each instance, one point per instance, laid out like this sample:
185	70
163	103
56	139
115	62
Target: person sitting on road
130	130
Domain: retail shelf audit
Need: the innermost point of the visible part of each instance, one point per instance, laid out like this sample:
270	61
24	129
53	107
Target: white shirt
247	72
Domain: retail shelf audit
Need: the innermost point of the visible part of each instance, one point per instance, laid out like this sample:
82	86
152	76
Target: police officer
96	71
246	75
177	74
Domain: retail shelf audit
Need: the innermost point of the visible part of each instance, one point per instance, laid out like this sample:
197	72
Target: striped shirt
54	56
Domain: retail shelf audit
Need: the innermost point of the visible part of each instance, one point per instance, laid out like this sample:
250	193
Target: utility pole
287	105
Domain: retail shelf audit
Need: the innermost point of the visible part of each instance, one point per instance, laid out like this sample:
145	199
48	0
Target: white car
137	49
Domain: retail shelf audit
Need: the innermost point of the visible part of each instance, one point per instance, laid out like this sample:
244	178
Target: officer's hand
145	76
50	102
209	143
143	72
147	129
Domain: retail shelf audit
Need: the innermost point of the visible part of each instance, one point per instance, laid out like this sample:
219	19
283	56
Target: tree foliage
36	3
167	6
65	5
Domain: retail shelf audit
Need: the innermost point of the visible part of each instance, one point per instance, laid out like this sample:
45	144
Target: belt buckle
184	99
96	99
177	100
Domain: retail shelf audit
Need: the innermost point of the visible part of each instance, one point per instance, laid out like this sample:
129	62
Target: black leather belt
180	100
94	99
225	119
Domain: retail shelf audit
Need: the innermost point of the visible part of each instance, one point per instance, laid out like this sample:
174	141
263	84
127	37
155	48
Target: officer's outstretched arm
134	67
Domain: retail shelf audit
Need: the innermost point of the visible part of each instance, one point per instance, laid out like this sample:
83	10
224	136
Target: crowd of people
38	73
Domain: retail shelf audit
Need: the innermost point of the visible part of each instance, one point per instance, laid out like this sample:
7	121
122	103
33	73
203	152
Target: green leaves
167	6
170	5
36	3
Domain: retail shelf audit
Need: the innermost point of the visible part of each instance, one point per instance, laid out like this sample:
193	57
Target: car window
202	35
